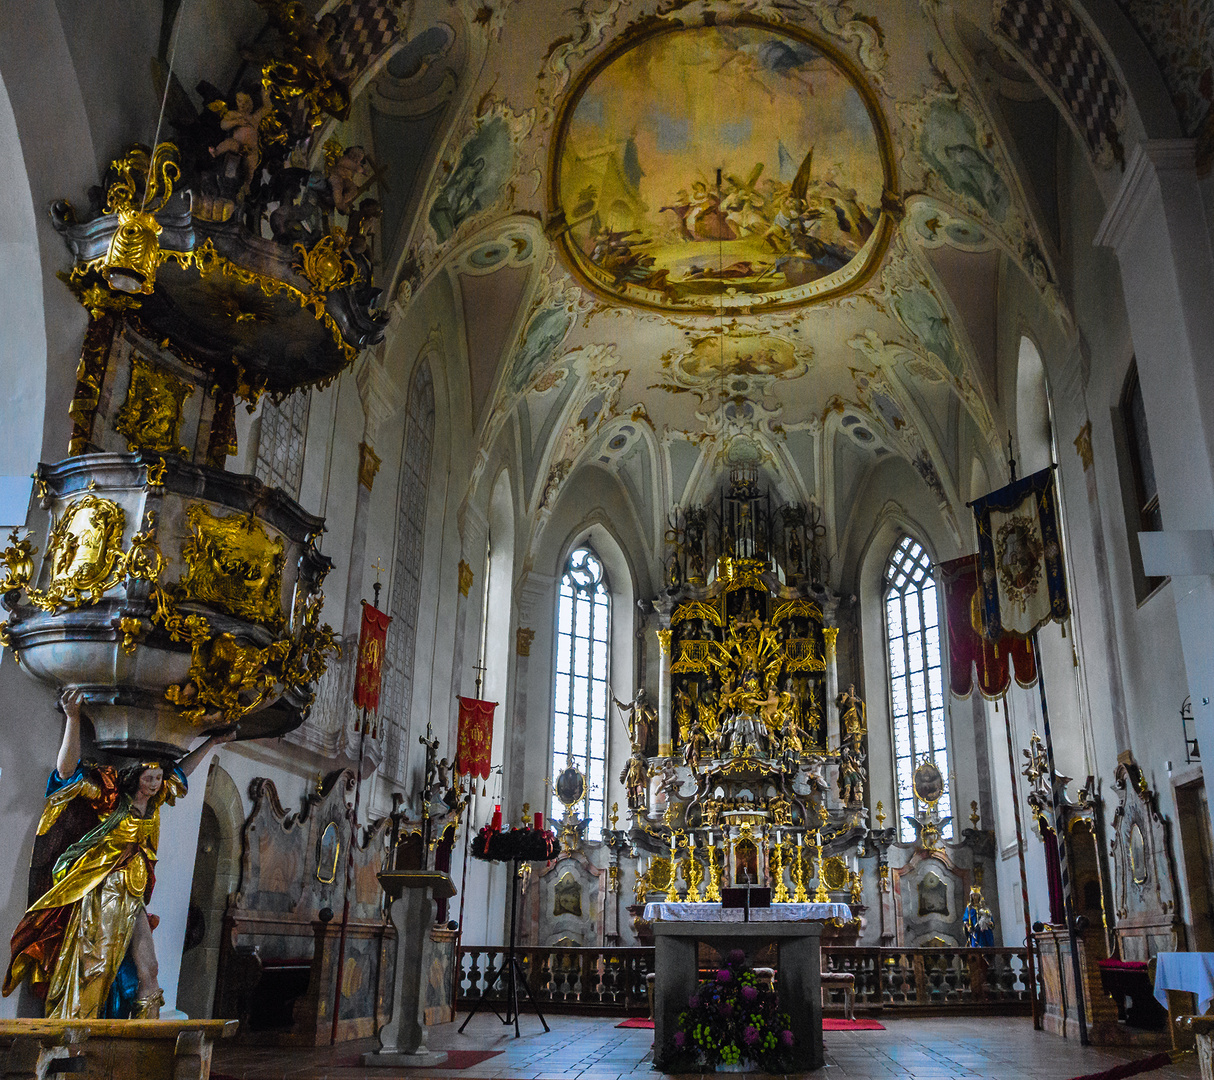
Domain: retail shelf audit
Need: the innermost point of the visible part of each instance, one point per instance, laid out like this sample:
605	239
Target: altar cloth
684	912
1192	971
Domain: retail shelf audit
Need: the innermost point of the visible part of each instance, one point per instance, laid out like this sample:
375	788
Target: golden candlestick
779	894
712	892
800	896
821	896
672	889
689	872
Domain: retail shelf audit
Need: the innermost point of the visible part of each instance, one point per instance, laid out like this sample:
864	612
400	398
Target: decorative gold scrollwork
85	553
150	418
18	559
795	609
308	656
801	657
227	676
693	656
234	565
696	609
132	631
327	265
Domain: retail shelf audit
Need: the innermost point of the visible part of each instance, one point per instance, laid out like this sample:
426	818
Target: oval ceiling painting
733	166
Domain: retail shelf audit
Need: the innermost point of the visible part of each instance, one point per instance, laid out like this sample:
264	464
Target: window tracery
916	678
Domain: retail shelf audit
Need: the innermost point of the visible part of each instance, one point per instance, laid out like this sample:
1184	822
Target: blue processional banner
1020	556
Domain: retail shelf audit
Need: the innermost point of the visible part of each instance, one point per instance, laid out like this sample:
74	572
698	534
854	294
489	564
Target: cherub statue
243	125
638	716
345	178
85	944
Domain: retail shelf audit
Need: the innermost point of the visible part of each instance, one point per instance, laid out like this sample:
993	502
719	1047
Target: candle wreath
732	1018
515	845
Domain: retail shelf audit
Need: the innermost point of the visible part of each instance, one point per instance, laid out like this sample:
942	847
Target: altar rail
613	979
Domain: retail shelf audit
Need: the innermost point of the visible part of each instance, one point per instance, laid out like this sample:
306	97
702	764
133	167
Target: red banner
475	736
371	639
967	645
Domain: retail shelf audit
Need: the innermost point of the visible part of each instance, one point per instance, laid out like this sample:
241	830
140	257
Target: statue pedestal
402	1040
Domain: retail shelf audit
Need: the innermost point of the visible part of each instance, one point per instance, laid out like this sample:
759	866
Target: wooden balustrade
613	979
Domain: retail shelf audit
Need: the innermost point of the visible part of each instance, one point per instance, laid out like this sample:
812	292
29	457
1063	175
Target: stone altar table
798	974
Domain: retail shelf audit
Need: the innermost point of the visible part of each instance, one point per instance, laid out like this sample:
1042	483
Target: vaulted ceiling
689	235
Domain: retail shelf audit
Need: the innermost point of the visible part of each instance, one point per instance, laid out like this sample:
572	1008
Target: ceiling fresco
767	232
720	165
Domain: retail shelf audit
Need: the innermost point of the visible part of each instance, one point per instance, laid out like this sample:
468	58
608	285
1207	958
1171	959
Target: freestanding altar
794	929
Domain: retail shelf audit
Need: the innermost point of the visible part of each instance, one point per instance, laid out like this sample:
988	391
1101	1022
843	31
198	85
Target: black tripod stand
511	970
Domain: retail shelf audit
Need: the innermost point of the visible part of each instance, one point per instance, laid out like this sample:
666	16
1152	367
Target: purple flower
724	975
750	1035
750	992
737	956
680	1040
693	1002
726	1009
786	1037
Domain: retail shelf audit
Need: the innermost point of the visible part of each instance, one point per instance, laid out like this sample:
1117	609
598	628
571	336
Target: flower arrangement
524	844
732	1018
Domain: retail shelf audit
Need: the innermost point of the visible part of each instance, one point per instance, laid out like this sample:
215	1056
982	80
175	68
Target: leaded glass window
280	442
579	712
916	680
407	570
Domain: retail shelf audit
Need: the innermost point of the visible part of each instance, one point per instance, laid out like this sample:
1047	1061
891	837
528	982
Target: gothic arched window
407	570
579	709
916	680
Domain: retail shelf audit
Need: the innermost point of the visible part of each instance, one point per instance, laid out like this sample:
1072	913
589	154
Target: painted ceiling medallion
726	165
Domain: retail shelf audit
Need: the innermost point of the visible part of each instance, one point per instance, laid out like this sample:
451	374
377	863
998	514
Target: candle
710	838
777	836
539	821
497	816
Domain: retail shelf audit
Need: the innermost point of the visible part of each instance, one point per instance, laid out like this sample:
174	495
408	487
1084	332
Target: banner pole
345	911
1064	861
1030	961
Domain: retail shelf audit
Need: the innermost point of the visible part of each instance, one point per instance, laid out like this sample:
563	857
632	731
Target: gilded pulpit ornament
84	552
144	185
18	559
150	418
235	565
229	676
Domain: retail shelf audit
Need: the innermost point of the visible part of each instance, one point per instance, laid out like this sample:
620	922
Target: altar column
830	712
664	737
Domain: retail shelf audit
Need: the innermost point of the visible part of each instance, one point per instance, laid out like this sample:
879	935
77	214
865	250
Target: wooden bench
110	1049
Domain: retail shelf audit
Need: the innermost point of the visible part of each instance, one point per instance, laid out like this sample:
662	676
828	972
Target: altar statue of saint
977	921
639	718
851	775
684	714
85	944
693	746
853	718
633	779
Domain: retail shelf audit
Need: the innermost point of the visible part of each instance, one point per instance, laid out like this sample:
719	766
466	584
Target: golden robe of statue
74	939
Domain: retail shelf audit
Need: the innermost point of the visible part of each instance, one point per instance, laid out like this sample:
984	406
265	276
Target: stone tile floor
593	1048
